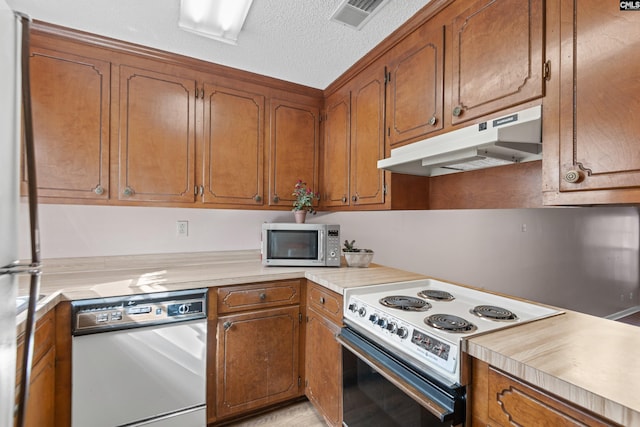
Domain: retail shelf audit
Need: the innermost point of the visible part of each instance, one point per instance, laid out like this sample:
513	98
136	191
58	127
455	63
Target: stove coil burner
434	294
402	302
493	313
450	323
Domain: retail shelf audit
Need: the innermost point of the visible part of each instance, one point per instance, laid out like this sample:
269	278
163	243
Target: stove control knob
402	332
392	327
353	307
373	319
362	311
382	323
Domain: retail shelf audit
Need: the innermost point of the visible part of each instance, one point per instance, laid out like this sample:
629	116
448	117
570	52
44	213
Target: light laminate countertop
592	362
69	279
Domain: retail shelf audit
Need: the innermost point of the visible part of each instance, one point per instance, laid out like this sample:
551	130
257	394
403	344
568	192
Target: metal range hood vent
508	139
356	13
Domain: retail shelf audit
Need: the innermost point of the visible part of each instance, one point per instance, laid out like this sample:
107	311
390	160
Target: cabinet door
367	137
41	404
71	99
497	57
157	137
324	367
233	146
293	150
336	152
600	83
414	104
257	359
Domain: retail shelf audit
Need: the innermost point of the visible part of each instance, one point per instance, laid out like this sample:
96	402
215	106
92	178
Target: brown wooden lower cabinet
498	399
323	354
41	403
256	351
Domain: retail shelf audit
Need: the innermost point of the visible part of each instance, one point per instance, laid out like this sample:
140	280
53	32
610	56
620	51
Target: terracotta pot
300	216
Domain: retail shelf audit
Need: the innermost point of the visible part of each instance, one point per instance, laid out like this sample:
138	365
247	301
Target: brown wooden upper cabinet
336	153
157	138
70	101
294	148
233	147
367	182
354	142
592	148
354	132
415	85
497	57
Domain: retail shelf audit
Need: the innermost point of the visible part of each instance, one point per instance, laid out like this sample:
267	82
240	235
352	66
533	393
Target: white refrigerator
11	90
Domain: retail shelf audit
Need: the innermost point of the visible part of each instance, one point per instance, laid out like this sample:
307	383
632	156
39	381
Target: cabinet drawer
325	301
514	402
259	295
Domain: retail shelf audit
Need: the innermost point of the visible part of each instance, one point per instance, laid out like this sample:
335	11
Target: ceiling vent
356	13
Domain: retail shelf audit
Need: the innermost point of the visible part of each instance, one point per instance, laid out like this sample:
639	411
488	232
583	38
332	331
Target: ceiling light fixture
220	20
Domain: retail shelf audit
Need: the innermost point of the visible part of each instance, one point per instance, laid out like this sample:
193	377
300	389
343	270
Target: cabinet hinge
300	317
546	72
387	76
299	381
384	189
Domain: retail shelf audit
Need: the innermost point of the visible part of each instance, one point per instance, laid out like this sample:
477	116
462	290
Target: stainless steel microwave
288	244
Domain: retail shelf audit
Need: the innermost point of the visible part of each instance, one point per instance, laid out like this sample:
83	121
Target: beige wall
585	259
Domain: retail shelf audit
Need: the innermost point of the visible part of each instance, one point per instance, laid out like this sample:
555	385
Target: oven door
379	389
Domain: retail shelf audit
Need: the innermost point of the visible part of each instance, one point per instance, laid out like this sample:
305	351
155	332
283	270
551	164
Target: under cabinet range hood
513	138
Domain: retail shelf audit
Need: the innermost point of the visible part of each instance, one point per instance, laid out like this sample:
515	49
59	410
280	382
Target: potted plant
304	201
356	257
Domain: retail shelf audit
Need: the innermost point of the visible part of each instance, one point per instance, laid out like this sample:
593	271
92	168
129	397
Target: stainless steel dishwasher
140	360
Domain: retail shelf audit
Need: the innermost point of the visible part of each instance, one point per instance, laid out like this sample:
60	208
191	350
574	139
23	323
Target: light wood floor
300	414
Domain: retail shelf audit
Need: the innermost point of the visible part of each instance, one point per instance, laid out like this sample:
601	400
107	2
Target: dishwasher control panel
135	311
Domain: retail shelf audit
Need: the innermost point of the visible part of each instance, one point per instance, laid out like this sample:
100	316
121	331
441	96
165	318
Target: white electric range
426	322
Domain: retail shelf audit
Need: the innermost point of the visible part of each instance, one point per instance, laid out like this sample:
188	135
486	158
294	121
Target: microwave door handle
321	249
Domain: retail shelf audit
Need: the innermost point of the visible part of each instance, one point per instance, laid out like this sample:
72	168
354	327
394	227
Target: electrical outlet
182	228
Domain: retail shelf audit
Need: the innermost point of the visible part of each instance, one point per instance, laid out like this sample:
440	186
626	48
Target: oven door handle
430	405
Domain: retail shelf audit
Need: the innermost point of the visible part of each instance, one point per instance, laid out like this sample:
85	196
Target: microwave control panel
333	246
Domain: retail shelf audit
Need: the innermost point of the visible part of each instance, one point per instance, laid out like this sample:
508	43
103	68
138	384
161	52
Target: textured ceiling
293	40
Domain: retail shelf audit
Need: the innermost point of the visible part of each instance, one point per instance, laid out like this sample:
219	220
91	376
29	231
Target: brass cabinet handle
457	111
321	300
354	198
433	120
573	176
344	199
262	296
128	191
227	325
99	190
